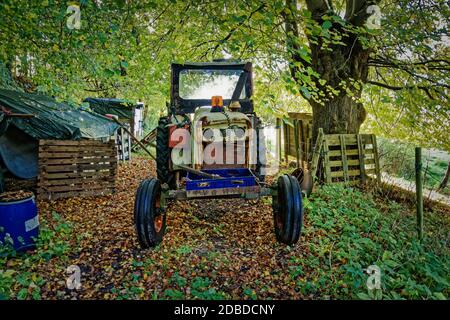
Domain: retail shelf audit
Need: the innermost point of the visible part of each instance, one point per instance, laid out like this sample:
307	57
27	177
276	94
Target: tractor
211	145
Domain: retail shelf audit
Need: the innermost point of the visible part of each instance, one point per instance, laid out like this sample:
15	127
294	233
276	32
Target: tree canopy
332	57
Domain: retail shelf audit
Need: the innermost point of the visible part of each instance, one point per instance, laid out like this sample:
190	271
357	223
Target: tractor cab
211	107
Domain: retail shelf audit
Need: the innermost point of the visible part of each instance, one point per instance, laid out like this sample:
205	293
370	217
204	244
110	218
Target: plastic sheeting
54	120
19	152
118	107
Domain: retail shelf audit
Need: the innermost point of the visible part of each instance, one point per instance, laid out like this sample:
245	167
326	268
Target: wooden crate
76	168
350	158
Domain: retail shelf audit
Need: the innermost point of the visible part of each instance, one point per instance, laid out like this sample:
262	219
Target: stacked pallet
350	157
76	168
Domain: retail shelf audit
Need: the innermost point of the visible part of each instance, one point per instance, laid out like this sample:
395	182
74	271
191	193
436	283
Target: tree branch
232	31
426	89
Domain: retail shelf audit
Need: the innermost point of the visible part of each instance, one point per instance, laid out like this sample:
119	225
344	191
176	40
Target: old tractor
211	145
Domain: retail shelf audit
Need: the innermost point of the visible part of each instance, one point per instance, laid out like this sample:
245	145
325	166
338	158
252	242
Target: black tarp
54	120
19	153
121	108
51	120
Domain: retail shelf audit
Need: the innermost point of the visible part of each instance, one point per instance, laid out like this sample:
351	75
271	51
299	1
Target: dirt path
411	186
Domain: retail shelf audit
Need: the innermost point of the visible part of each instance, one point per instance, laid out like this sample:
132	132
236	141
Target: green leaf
439	296
326	25
363	296
22	294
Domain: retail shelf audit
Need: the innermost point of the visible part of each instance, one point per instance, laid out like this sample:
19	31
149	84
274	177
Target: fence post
419	192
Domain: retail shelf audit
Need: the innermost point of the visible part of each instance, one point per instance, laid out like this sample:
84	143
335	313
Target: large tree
339	57
344	46
320	50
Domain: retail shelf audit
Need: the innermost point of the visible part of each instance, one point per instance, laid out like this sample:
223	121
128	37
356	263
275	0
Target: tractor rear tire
149	215
288	210
163	154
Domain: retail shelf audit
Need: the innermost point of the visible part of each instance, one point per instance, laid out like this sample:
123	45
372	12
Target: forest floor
226	249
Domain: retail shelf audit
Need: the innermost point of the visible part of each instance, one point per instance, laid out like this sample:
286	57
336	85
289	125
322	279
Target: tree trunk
342	67
340	115
345	69
444	181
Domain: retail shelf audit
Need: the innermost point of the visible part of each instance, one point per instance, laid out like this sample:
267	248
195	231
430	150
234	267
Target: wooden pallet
76	168
350	158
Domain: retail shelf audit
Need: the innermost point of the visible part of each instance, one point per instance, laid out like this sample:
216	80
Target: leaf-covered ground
217	249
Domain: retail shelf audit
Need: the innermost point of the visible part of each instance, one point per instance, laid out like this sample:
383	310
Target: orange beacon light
216	103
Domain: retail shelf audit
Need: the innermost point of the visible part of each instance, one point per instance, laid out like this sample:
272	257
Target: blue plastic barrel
19	223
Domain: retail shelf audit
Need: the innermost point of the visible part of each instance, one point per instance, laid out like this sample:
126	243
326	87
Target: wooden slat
334	153
316	153
50	161
327	160
335	139
376	158
61	155
74	143
361	159
344	157
351	173
84	149
338	163
65	175
296	142
74	167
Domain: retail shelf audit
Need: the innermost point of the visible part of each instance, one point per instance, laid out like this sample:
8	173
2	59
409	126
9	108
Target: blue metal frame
230	178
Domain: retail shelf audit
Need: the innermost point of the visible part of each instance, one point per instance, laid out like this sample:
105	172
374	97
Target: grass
20	274
362	231
398	160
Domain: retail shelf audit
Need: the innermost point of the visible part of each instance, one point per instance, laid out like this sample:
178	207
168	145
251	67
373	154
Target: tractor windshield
205	83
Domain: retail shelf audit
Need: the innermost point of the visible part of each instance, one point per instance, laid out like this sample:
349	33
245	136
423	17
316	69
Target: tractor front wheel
288	210
149	213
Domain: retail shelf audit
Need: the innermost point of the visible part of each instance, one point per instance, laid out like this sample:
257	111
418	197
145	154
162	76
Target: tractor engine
222	138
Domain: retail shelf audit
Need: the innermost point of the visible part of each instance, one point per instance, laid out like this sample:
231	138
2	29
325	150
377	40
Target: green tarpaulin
121	108
52	119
